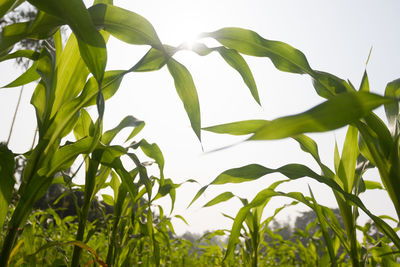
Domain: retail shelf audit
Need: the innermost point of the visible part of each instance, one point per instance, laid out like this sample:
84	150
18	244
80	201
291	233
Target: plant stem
15	114
8	246
90	181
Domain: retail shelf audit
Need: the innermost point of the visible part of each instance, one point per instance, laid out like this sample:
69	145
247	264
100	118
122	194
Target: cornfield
128	228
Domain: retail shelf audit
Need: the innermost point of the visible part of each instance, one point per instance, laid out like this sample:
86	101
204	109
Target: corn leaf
347	165
235	60
347	107
29	54
237	128
61	121
28	76
84	126
392	109
364	86
187	92
283	56
220	198
7	164
154	152
372	185
92	46
128	121
125	25
71	74
42	27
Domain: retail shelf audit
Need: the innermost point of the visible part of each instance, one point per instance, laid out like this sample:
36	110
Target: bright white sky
336	36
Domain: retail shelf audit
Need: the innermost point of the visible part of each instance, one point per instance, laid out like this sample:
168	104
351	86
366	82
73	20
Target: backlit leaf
187	92
392	109
236	61
42	27
347	108
237	128
28	76
128	121
125	25
92	46
284	56
29	54
220	198
372	185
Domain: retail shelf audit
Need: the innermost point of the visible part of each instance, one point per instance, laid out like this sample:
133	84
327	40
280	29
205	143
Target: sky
335	36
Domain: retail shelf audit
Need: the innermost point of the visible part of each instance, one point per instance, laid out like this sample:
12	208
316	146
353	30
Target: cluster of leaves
64	91
369	143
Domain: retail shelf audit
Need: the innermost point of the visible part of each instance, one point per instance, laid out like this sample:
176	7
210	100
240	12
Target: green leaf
92	46
308	145
182	219
236	61
140	125
364	86
220	198
65	156
61	122
237	128
28	76
125	25
154	152
29	54
372	185
71	73
128	121
83	126
108	199
187	92
250	126
7	165
198	194
392	109
348	160
153	60
347	108
383	137
327	85
42	27
243	174
38	100
283	56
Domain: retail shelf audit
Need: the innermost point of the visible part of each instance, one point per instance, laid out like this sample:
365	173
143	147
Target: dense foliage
134	230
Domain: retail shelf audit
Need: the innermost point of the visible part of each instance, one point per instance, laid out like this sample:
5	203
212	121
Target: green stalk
90	182
117	215
350	226
8	245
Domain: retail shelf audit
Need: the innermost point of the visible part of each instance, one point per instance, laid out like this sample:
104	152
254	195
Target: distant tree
64	201
307	217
